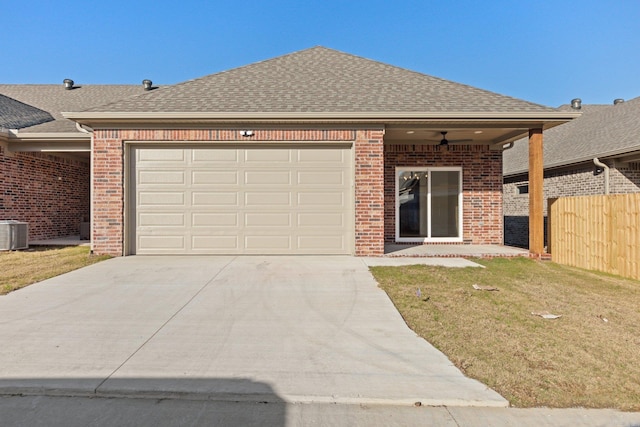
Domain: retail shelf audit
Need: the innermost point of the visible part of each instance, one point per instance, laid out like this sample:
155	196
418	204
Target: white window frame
428	239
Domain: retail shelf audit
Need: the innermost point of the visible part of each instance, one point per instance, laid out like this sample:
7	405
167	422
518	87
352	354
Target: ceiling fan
445	142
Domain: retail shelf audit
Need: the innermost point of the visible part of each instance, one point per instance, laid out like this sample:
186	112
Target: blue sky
543	51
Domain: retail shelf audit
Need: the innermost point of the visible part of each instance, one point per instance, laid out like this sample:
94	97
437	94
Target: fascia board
396	117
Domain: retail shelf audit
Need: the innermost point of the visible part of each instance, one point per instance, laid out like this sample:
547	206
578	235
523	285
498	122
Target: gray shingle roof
55	99
320	80
602	130
15	114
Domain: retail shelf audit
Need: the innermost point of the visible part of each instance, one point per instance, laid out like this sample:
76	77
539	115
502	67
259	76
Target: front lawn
589	357
22	268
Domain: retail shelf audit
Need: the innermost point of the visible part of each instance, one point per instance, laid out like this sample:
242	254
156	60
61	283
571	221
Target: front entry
428	204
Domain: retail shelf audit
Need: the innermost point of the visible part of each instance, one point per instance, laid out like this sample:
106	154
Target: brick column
369	193
108	193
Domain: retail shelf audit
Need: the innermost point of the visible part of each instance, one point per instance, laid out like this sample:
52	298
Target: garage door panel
216	156
262	219
161	219
262	198
162	156
214	219
269	156
161	177
156	198
163	243
315	199
267	244
320	178
224	177
276	200
321	244
267	178
214	198
214	243
321	156
314	219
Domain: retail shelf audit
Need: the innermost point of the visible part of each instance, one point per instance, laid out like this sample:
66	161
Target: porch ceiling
481	135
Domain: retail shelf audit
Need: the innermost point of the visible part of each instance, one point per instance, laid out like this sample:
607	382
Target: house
45	158
315	152
597	153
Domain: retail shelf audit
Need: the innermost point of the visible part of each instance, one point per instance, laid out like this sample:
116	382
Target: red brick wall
481	185
48	192
108	222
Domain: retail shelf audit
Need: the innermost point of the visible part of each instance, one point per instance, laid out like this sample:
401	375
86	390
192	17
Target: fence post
550	203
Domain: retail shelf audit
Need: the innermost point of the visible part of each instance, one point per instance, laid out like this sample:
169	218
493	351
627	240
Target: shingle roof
602	130
15	114
320	80
55	99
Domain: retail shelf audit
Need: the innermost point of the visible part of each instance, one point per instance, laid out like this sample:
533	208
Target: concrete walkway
453	250
254	329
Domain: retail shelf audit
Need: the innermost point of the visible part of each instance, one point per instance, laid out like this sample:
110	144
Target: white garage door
212	200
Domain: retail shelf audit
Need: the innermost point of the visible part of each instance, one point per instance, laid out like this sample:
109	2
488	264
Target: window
522	190
428	204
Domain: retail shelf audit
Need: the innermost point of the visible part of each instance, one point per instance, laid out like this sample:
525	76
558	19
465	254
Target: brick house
45	158
597	153
313	152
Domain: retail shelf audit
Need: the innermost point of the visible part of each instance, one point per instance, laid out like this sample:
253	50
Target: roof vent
146	83
576	103
618	101
68	84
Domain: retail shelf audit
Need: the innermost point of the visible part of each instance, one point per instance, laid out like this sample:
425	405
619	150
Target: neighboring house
574	156
45	158
315	152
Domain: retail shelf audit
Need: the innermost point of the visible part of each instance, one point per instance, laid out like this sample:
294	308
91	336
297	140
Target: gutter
15	135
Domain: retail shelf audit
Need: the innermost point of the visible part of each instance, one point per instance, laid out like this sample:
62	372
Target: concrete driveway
292	329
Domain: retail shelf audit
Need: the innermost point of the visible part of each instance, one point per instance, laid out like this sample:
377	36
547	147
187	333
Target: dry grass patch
22	268
578	360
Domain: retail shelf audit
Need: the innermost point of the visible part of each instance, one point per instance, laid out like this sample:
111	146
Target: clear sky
543	51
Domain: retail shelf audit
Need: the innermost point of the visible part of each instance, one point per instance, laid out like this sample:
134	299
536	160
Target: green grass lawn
22	268
589	357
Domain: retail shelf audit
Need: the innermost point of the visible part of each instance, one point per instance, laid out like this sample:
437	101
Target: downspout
83	128
598	163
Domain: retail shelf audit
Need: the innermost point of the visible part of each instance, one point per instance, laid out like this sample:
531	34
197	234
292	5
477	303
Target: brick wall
481	185
625	178
108	220
50	193
577	181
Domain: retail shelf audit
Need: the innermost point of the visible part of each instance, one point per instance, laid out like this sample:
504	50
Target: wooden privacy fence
597	233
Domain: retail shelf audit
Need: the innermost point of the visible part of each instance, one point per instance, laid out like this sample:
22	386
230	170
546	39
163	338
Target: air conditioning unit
13	235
